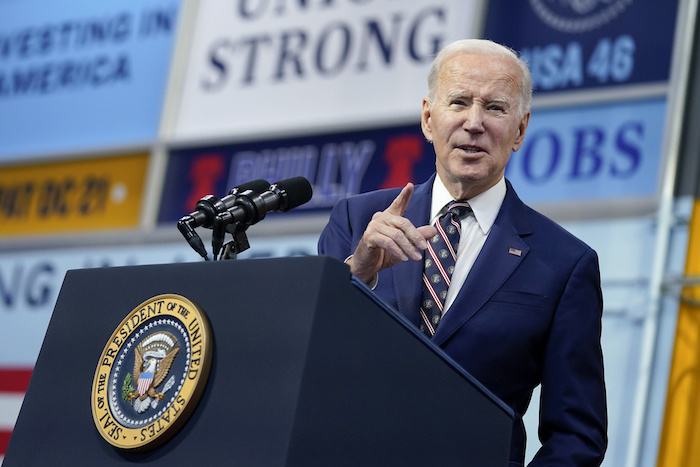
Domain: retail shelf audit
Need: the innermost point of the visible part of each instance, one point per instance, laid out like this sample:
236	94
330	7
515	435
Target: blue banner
592	153
575	44
79	75
337	165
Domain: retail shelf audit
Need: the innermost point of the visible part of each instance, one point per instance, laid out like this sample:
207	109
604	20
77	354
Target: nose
473	119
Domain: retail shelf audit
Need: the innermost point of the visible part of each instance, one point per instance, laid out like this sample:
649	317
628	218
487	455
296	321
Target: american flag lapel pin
515	251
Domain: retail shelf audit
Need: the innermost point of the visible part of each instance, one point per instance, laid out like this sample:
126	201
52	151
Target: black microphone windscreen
298	191
257	186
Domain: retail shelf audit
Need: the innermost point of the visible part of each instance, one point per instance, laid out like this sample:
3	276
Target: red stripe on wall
15	379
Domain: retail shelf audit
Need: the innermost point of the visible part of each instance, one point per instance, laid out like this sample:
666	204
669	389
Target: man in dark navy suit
523	303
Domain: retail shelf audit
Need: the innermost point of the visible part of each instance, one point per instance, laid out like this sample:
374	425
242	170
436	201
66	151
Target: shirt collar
485	206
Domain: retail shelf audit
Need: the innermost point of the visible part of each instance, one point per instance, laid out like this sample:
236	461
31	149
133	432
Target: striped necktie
439	264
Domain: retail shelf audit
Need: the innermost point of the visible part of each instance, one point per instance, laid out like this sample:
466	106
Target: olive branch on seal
127	387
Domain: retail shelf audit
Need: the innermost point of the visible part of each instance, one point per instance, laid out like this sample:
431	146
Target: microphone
251	207
208	208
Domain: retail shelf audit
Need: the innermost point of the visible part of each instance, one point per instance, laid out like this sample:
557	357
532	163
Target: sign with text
80	75
591	153
574	44
337	166
73	196
268	67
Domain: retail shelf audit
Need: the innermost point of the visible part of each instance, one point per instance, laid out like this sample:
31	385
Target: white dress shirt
475	229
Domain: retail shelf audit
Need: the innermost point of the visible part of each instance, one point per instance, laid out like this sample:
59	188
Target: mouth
470	149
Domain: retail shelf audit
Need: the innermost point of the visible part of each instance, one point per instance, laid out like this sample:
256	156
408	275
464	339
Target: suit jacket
528	313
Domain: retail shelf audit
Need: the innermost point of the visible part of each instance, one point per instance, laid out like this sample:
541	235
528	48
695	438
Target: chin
469	175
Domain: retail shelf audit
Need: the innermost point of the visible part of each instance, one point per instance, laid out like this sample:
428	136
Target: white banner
267	67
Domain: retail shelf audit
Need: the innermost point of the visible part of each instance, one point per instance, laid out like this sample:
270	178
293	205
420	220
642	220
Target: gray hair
485	48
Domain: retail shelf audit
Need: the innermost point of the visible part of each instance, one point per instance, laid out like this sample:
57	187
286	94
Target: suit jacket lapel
497	260
407	274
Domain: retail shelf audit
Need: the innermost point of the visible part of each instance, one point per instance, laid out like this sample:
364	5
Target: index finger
400	203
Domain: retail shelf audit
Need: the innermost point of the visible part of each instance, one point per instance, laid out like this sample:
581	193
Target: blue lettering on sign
47	39
330	63
590	153
587	158
587	44
45	75
559	67
32	287
338	47
335	169
628	142
274	164
70	74
256	9
539	163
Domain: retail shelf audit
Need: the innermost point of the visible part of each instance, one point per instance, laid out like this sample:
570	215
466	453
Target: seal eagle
153	358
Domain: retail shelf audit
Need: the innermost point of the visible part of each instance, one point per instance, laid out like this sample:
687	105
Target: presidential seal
151	373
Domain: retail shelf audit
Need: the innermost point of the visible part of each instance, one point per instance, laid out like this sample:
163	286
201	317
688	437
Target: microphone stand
220	227
252	203
239	242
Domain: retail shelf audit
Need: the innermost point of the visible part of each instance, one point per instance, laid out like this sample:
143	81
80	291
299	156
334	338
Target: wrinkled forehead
488	75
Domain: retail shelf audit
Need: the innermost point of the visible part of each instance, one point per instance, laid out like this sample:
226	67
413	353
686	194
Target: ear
521	132
425	120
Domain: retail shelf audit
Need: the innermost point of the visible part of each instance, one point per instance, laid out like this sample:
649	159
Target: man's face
474	122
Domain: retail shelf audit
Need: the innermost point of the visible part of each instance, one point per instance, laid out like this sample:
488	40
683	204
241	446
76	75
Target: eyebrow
489	100
499	100
458	95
